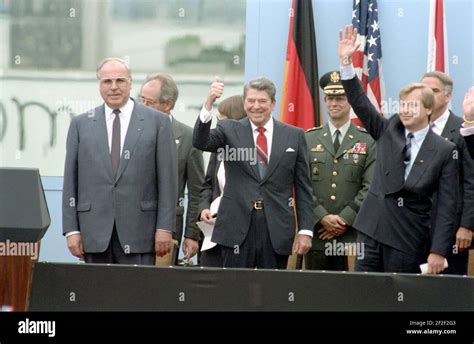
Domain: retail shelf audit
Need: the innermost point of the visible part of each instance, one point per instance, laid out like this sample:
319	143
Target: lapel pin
177	142
351	137
325	134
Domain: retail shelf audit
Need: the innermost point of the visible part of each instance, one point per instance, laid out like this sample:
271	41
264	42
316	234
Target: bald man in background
120	184
160	92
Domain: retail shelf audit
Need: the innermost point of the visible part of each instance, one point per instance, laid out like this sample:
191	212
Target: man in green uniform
342	160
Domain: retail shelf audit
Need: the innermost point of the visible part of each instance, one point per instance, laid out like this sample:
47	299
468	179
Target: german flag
300	98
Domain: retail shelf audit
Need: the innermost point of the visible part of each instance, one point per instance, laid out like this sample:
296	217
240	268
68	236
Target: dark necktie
115	149
337	143
407	150
262	155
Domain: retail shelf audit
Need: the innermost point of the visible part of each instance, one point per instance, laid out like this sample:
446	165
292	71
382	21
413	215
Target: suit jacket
288	170
470	144
210	188
397	212
190	173
140	199
344	191
465	205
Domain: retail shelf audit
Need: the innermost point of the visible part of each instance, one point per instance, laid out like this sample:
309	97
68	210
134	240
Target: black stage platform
88	287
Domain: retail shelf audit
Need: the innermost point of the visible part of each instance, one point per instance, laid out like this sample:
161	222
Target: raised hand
216	91
347	44
468	105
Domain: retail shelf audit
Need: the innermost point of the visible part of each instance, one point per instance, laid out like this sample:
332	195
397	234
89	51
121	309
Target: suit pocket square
290	150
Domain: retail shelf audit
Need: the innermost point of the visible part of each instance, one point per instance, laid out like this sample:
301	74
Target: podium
24	219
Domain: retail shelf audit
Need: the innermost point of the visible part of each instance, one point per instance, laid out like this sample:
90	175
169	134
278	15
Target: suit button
335	161
315	159
333	185
333	197
334	173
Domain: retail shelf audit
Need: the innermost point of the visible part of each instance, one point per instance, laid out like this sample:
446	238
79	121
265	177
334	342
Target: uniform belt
258	205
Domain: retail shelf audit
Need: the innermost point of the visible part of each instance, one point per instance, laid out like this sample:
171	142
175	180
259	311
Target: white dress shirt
214	207
438	125
466	131
416	142
347	72
268	134
125	115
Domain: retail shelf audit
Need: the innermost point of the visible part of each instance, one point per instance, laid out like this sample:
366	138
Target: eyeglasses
118	81
147	101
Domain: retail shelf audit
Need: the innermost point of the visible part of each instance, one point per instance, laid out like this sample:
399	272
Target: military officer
342	160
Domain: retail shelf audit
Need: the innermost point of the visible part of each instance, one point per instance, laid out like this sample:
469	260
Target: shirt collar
419	135
343	129
441	121
126	110
268	126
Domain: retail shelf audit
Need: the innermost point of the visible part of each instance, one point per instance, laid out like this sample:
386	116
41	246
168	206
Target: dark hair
232	107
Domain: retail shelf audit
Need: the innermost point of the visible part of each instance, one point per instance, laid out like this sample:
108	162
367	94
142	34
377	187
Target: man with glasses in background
120	184
160	92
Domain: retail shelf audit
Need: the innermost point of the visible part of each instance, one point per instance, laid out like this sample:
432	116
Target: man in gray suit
160	92
120	185
267	173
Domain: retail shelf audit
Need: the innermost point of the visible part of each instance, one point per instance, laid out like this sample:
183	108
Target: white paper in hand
424	267
207	230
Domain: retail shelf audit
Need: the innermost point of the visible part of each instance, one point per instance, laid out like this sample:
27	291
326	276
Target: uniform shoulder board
361	129
312	129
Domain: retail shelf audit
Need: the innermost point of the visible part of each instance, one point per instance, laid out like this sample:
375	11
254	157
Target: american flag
368	59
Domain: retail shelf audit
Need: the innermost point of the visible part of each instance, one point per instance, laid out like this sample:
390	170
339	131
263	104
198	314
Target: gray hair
109	59
444	78
169	90
261	84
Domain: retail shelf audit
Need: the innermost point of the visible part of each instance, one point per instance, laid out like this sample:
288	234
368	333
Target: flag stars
372	41
370	7
369	57
354	15
375	26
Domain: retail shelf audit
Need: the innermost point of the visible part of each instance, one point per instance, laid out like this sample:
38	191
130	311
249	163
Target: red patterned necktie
262	151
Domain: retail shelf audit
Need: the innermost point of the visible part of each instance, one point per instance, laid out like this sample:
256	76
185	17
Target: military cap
331	84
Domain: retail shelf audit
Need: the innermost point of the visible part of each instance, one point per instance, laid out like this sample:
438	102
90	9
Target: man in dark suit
446	124
266	166
413	164
120	182
468	126
160	92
